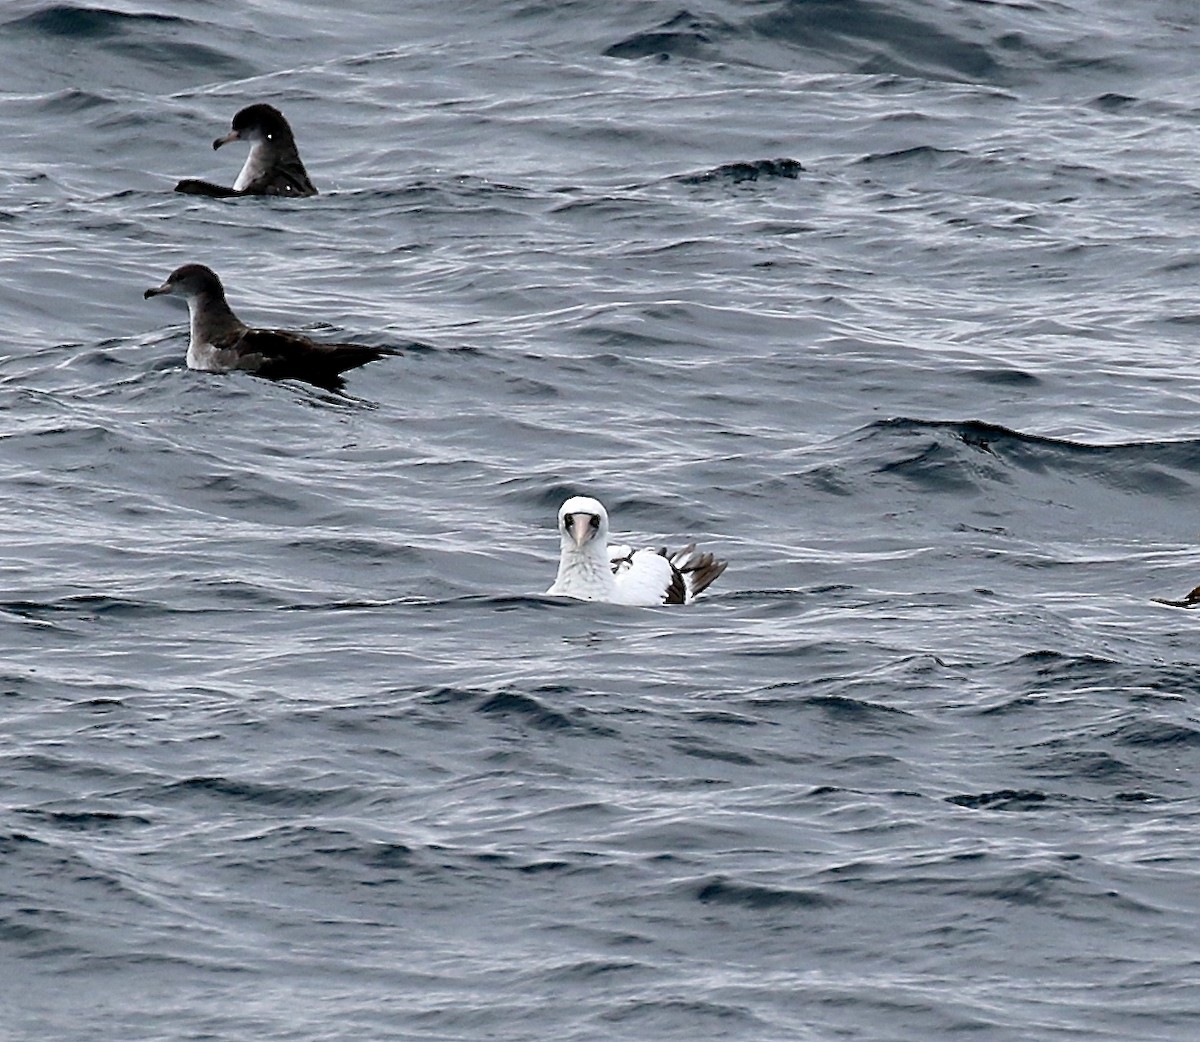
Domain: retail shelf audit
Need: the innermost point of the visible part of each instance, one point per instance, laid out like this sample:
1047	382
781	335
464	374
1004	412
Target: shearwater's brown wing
281	355
286	176
191	186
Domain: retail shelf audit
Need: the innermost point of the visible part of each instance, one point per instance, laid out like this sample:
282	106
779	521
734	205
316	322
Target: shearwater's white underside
254	167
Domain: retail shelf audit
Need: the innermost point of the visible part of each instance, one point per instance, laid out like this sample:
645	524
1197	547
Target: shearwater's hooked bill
273	166
222	343
591	570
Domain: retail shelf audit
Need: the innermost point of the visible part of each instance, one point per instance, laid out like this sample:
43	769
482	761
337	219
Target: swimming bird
222	343
273	166
591	570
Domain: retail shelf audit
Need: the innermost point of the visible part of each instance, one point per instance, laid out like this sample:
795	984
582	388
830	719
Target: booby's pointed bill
583	526
221	342
591	570
273	166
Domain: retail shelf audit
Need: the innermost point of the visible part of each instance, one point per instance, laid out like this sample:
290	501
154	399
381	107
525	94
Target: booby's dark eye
594	521
567	519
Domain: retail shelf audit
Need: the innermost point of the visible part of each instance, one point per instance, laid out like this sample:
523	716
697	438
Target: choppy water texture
891	304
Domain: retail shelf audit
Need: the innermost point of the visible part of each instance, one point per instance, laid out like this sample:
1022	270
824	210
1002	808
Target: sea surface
892	305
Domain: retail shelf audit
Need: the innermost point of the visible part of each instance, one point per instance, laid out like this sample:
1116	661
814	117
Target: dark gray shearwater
221	342
273	166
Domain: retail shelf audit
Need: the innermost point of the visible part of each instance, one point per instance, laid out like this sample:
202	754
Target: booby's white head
583	521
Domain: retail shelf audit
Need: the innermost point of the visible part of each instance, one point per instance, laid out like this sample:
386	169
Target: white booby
273	166
221	342
591	570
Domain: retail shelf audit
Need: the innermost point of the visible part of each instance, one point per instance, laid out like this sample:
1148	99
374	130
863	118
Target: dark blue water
893	305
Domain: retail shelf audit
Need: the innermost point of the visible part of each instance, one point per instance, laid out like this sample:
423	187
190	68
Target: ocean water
893	305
